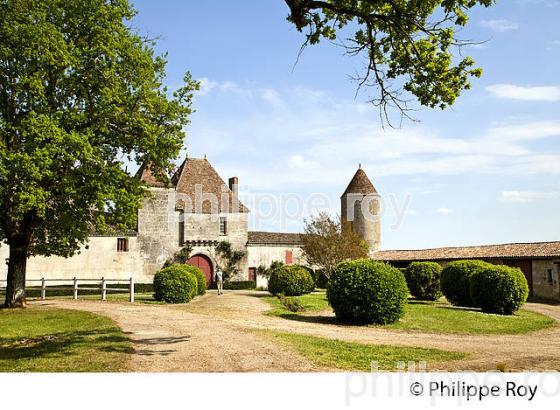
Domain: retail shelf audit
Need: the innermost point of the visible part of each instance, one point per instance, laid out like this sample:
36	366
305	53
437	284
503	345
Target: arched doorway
203	263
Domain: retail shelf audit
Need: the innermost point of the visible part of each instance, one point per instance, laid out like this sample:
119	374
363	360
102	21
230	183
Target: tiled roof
274	238
145	174
198	175
360	184
510	250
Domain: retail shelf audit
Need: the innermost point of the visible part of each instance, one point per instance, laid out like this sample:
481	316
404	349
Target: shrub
321	279
367	291
239	285
455	281
423	280
175	284
499	289
293	304
200	278
291	280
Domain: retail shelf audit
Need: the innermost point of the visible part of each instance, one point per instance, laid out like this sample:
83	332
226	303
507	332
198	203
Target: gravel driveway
221	334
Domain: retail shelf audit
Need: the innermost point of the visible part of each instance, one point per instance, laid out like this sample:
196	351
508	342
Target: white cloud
528	196
444	211
516	92
273	97
499	25
319	140
556	42
208	86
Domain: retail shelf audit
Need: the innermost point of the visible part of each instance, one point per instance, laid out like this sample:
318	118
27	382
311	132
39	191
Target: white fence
58	284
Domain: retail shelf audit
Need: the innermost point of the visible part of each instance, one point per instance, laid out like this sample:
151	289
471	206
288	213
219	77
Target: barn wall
543	287
266	254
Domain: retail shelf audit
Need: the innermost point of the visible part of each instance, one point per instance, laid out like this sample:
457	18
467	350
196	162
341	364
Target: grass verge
343	355
441	317
38	339
428	317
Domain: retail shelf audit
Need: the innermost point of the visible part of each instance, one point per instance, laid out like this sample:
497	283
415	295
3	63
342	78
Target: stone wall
158	234
546	279
99	259
206	227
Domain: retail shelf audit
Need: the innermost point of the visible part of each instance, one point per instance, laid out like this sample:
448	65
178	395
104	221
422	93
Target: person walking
220	281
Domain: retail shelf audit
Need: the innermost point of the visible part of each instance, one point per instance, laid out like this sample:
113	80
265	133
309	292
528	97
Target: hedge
499	289
291	280
239	285
423	280
200	277
366	291
455	281
175	284
321	279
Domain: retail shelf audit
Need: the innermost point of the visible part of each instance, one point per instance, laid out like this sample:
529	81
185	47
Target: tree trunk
15	290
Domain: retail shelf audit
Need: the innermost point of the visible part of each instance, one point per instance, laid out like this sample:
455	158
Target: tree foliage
407	45
326	244
80	93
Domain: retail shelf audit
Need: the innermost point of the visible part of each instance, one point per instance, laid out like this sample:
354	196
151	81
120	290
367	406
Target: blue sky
485	171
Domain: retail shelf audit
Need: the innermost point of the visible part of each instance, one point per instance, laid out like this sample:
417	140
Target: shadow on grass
58	344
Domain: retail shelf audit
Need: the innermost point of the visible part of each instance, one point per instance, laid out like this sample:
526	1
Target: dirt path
173	340
221	333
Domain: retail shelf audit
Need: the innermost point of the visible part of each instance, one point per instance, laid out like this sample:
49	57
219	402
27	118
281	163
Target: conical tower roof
360	184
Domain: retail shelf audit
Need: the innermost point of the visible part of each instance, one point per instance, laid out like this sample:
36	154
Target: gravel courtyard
225	334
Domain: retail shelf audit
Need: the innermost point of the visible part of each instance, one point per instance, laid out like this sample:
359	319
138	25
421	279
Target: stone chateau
200	210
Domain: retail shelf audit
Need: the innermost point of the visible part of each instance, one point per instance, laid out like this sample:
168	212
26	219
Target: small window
181	228
288	259
122	244
223	225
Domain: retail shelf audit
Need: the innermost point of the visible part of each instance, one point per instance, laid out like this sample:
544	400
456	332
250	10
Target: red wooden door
203	263
253	274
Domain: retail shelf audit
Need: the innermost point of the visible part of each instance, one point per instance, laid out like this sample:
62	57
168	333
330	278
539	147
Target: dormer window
223	225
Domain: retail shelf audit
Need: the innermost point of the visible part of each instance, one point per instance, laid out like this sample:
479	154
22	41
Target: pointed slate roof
195	172
360	184
146	175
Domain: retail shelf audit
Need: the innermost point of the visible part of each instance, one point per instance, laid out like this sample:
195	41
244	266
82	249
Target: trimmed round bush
455	281
291	280
499	289
200	278
175	284
423	280
365	291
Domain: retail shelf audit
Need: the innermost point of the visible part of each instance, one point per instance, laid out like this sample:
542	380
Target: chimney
233	185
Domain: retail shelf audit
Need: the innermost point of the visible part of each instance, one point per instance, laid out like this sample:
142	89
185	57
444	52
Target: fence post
103	289
131	289
43	289
75	288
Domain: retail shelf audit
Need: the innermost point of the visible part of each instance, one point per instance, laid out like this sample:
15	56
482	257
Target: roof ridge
468	246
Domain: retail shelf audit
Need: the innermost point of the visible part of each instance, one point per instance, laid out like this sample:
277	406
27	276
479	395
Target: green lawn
430	317
38	339
357	356
313	302
441	317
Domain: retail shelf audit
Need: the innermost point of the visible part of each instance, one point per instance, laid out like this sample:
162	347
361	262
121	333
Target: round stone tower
360	210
